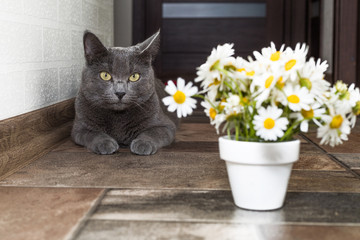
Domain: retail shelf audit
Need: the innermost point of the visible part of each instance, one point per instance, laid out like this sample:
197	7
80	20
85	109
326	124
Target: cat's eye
134	77
105	76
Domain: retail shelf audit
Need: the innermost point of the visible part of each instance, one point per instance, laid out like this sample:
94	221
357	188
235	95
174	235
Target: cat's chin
117	106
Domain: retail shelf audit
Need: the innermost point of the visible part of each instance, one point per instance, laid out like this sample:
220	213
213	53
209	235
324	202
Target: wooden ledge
25	138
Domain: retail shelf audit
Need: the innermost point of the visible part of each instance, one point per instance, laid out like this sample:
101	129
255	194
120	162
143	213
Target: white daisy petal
168	100
170	88
180	84
172	107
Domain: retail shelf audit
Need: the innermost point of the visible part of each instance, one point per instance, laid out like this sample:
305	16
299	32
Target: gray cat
119	101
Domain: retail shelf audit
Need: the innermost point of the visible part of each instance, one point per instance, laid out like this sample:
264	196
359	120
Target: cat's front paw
142	147
104	146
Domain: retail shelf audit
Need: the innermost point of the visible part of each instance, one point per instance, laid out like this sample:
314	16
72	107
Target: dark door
190	29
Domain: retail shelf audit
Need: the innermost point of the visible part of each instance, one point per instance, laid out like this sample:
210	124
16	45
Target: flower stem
199	96
289	131
237	131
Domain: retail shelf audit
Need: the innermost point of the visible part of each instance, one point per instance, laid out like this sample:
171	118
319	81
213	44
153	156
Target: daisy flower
232	104
180	98
262	86
209	110
270	55
297	98
269	124
294	60
335	129
344	99
312	77
207	73
305	116
354	101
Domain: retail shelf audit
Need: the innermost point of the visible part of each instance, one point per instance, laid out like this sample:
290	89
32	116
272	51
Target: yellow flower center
179	97
268	81
212	113
307	114
252	73
293	99
336	121
275	56
280	84
290	64
269	123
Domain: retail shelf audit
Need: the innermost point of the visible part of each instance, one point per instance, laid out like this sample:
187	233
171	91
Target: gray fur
104	121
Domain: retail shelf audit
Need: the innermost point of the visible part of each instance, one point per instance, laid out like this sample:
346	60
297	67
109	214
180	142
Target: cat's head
118	78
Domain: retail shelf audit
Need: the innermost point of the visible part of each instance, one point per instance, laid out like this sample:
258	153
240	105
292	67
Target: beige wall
41	53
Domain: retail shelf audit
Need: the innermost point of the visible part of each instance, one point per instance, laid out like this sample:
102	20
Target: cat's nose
120	95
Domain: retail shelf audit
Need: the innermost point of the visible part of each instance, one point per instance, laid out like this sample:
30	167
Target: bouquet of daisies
269	98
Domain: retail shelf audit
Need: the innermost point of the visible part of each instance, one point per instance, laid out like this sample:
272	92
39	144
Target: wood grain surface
27	137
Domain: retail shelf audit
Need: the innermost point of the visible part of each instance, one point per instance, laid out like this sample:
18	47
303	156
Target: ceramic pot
259	172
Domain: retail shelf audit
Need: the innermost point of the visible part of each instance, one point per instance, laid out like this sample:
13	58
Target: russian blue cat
119	100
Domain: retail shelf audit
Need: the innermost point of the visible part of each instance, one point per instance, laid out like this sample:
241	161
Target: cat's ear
150	47
93	48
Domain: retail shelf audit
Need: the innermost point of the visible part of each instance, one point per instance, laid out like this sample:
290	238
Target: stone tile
41	9
98	229
103	229
57	44
352	160
217	207
69	82
41	87
323	181
43	213
350	146
124	170
285	232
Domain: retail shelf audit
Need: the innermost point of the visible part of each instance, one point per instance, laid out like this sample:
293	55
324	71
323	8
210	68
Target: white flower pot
259	172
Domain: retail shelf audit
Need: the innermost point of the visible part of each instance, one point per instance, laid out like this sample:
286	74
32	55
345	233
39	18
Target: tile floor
182	192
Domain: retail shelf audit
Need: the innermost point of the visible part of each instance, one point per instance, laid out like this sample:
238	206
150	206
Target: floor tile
98	229
124	170
217	207
196	132
323	181
350	146
179	146
42	213
286	232
309	148
352	160
314	161
188	170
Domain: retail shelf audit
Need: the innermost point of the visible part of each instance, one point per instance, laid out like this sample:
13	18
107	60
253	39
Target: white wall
41	52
